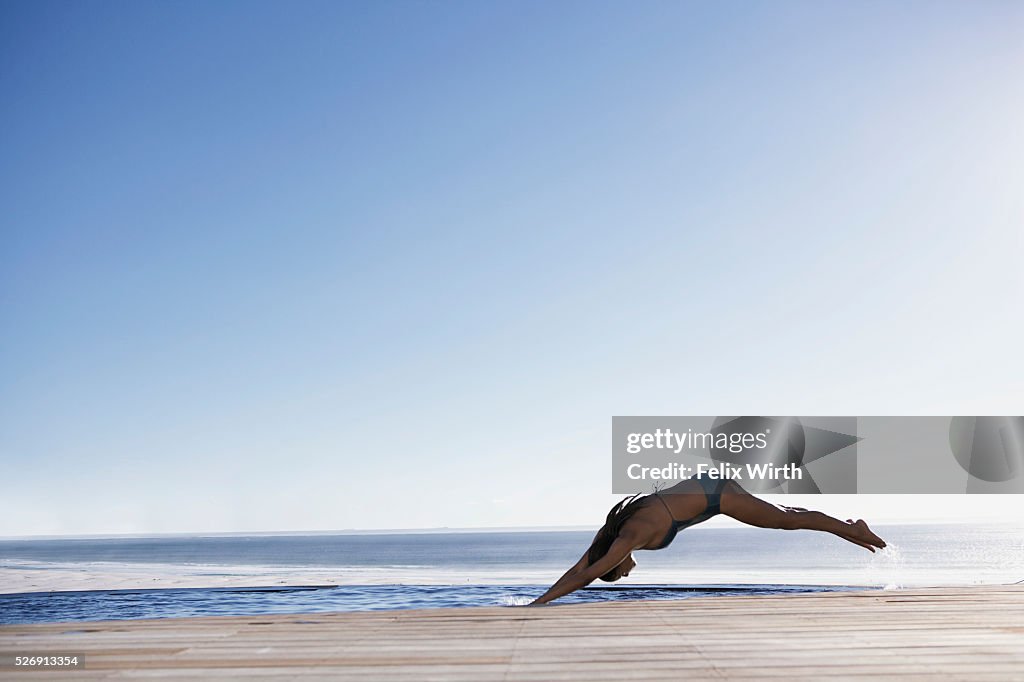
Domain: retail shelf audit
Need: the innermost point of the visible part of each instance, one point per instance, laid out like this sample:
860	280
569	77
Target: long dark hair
617	517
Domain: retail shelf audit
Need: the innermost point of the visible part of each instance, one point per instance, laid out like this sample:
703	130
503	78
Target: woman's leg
742	506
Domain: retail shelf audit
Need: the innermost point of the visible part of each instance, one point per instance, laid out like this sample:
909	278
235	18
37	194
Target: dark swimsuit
713	492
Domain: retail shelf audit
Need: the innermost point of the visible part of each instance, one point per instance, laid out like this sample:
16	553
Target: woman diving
652	521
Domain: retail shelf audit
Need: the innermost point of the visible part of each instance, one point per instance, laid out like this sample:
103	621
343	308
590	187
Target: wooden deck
970	633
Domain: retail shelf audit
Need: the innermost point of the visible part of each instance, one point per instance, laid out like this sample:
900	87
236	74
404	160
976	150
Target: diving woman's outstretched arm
581	575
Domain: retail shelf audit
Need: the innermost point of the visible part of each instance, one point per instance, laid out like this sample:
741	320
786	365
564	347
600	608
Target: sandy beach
965	633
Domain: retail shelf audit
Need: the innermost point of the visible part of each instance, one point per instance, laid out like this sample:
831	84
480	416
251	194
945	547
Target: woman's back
688	503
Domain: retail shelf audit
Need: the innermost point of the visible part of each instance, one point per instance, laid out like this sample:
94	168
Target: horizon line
430	530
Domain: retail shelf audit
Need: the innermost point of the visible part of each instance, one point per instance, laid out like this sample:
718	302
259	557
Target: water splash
514	600
887	567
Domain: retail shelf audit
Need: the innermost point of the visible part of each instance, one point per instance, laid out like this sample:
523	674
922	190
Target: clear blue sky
318	265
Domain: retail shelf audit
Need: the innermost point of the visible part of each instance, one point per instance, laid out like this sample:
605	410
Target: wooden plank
953	633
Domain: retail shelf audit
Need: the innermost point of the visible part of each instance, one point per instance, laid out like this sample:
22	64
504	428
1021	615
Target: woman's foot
864	536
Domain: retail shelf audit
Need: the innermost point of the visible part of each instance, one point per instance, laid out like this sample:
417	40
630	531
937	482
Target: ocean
352	572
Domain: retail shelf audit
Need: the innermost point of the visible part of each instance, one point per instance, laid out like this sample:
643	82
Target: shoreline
324	580
30	578
947	633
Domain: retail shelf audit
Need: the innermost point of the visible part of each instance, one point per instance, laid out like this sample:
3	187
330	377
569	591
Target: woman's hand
577	577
